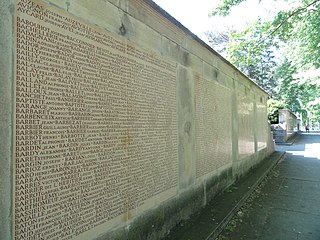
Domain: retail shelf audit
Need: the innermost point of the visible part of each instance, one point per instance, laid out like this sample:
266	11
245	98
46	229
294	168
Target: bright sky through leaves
193	14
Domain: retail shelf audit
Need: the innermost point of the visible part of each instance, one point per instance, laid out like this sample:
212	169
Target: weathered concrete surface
287	205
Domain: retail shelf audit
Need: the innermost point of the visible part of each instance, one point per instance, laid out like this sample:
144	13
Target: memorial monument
110	117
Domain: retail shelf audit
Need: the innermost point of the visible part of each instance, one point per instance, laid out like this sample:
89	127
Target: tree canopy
282	55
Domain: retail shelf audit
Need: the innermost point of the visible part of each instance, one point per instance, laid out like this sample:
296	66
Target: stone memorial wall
245	121
261	131
213	135
95	137
117	122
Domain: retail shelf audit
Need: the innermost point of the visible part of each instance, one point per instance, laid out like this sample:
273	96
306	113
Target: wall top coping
196	38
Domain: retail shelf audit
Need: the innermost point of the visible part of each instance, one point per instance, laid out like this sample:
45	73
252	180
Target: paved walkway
287	204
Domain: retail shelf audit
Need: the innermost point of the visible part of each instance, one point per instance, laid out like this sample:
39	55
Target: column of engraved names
103	151
114	82
88	124
34	194
55	128
74	91
204	127
71	116
103	160
151	108
58	137
139	118
213	144
63	127
109	133
111	115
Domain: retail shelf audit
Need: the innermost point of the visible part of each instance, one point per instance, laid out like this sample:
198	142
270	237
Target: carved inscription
96	125
245	121
262	130
213	126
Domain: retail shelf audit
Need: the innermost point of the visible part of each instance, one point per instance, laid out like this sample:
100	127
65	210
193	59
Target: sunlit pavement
287	205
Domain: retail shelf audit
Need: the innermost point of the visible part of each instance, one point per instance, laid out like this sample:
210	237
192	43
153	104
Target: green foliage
295	34
289	92
314	114
306	51
296	31
299	29
302	97
273	107
223	9
252	55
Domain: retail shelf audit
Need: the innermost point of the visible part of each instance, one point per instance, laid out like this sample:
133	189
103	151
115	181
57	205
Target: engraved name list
95	125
